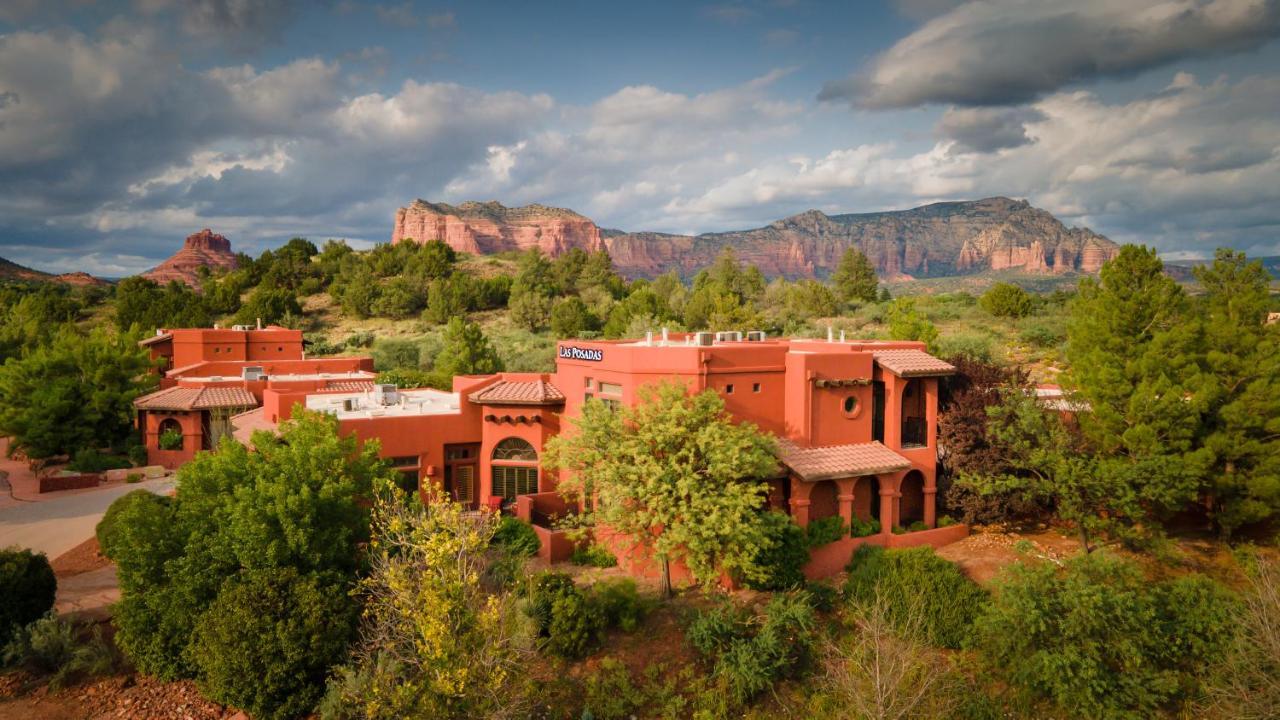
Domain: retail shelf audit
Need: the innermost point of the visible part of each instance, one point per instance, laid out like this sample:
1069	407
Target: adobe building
856	423
208	375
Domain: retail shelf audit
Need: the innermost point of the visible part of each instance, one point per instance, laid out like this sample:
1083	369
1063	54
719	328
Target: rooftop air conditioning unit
351	404
704	339
755	336
253	372
386	394
242	328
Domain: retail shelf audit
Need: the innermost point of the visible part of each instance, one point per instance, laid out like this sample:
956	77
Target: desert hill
203	249
938	240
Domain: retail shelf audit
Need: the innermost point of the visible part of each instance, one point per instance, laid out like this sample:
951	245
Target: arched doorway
823	500
911	506
515	469
169	435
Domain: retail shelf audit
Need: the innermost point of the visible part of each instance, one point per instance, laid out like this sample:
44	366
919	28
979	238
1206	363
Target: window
404	461
728	389
514	449
408	481
850	404
510	481
588	383
279	348
755	387
613	405
610	388
457	453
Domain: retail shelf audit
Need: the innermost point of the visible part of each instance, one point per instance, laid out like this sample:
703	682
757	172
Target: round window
850	404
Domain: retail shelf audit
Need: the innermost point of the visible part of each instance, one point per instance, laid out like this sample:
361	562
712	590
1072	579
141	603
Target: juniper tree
855	277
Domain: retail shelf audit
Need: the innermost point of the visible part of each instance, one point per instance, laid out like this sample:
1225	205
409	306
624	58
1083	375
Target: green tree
1007	300
597	272
294	502
466	351
1242	369
907	323
141	302
1100	640
271	305
570	317
27	590
855	277
76	392
676	475
530	309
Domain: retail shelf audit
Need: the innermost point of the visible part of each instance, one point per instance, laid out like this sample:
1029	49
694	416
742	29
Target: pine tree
855	278
466	351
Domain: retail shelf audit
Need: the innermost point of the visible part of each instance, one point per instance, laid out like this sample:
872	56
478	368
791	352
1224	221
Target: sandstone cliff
203	249
952	238
489	227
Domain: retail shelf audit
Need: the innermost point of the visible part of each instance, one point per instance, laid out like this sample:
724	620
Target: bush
594	556
864	528
517	536
822	596
917	526
784	557
170	440
133	478
359	339
576	624
1041	335
974	346
1099	639
59	649
946	521
620	602
825	531
27	590
138	455
542	592
268	640
407	378
1007	300
135	532
751	653
88	460
915	581
610	693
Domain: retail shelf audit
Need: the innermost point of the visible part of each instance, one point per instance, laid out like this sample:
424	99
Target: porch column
845	497
800	511
888	509
930	503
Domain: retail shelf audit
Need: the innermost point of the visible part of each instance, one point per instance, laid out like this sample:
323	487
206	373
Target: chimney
841	336
664	337
648	337
259	323
830	334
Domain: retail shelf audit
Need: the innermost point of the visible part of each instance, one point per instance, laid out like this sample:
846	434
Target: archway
515	469
169	435
911	506
866	498
823	500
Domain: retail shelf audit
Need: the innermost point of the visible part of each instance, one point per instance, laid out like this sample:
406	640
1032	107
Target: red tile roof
512	392
184	398
244	425
912	363
349	385
840	461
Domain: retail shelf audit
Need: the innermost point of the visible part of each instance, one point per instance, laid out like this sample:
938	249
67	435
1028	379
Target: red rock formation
203	249
484	228
78	279
931	241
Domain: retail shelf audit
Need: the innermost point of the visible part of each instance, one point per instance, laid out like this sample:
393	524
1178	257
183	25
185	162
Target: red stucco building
856	421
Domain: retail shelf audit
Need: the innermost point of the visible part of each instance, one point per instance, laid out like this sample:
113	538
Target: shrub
785	555
610	693
542	592
1098	639
517	536
58	648
917	526
620	602
136	533
946	521
824	531
576	624
898	530
1007	300
594	556
974	346
751	653
864	528
88	460
170	440
27	589
822	596
133	478
1041	335
916	581
407	378
138	455
359	339
268	640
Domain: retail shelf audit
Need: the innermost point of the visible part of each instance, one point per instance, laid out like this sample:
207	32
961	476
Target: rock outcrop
79	279
203	249
952	238
489	227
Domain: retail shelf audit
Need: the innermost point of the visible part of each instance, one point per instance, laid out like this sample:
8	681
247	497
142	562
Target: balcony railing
915	432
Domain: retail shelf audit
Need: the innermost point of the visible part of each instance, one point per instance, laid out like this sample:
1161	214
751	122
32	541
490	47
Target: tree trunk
1084	537
664	583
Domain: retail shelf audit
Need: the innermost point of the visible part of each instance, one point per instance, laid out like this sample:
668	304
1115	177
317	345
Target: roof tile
204	398
912	363
840	461
512	392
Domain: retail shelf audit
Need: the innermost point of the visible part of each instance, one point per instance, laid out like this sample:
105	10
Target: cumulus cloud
243	25
999	52
987	129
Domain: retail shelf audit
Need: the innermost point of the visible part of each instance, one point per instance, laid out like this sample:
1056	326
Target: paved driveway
56	525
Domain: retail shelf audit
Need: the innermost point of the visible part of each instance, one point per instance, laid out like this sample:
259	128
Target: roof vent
704	339
729	336
253	372
242	328
755	336
351	404
386	394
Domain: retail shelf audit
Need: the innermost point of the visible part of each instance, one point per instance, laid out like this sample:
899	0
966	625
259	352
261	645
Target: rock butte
203	249
942	239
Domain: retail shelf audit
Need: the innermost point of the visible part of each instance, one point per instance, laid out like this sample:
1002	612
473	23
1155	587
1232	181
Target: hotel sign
569	352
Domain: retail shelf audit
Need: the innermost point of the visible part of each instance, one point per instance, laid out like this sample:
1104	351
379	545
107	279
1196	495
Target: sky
127	125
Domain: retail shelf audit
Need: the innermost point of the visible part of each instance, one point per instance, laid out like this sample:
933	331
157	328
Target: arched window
514	448
515	469
170	435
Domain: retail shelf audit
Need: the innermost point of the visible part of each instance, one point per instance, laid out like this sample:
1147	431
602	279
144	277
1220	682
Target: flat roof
283	377
365	405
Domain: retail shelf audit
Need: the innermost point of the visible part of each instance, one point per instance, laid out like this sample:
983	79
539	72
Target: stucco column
800	511
930	502
888	508
846	499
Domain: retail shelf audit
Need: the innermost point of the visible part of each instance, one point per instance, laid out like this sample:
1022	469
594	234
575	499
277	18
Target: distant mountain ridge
937	240
12	271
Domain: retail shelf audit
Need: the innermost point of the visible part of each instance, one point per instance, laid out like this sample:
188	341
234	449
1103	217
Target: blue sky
127	125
